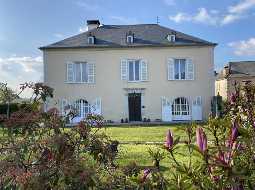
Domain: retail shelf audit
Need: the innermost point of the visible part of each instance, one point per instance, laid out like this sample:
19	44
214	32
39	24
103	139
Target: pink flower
169	140
201	139
146	172
233	98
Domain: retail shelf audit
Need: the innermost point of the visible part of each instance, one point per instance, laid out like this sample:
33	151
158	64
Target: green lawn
143	134
140	134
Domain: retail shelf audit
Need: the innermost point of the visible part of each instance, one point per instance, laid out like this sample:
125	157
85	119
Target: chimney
226	71
91	24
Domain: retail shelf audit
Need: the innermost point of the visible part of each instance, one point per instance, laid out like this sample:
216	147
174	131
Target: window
179	69
91	40
134	70
180	106
171	38
130	39
82	107
80	72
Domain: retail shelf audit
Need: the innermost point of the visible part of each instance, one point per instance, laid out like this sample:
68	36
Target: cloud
230	18
58	35
180	17
202	16
242	6
124	20
17	70
170	2
88	5
83	29
215	17
244	47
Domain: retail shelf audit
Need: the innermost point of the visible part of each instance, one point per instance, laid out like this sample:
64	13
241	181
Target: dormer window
91	40
130	37
171	37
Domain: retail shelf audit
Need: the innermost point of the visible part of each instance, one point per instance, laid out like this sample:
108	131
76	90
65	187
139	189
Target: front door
134	106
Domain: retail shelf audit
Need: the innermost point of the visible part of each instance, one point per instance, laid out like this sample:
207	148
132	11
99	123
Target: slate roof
114	36
239	69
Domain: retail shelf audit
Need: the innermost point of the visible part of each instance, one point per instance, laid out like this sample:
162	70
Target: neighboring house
132	71
234	72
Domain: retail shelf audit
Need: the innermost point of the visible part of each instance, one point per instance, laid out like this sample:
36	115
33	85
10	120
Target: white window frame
74	73
131	39
82	107
92	38
134	75
180	105
179	69
171	37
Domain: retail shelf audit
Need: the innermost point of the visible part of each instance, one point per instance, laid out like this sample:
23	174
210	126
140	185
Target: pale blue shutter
190	70
124	69
70	72
143	70
166	107
96	107
91	73
170	69
64	103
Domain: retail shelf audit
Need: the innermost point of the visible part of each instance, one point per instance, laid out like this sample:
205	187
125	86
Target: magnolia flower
146	172
169	140
234	133
233	98
201	139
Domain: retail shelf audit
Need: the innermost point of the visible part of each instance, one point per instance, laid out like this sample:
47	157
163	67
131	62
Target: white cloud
124	20
88	5
17	70
244	47
230	18
180	17
242	6
83	29
215	17
170	2
202	16
58	35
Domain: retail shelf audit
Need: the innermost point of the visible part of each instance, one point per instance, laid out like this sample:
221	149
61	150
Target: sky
25	25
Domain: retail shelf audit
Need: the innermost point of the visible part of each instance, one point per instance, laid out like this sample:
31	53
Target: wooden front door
134	106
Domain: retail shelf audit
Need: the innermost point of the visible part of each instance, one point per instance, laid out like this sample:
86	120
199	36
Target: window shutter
70	72
190	70
124	70
96	107
91	73
166	109
143	70
170	69
64	103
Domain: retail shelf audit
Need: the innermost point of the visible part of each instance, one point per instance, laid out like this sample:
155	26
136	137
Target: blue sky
26	25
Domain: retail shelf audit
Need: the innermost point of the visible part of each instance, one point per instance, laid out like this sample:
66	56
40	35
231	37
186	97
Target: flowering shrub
221	154
38	152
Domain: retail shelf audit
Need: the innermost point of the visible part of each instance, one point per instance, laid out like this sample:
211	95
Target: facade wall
221	88
111	89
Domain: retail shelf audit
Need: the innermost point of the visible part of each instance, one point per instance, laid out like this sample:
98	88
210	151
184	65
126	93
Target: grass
139	153
143	134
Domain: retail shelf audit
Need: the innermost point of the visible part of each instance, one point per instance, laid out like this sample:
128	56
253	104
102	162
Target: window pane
131	70
176	69
84	72
182	68
77	72
137	69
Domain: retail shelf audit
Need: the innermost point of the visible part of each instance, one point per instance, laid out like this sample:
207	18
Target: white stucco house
131	71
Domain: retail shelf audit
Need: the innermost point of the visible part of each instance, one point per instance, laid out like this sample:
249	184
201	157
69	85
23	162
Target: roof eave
130	46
